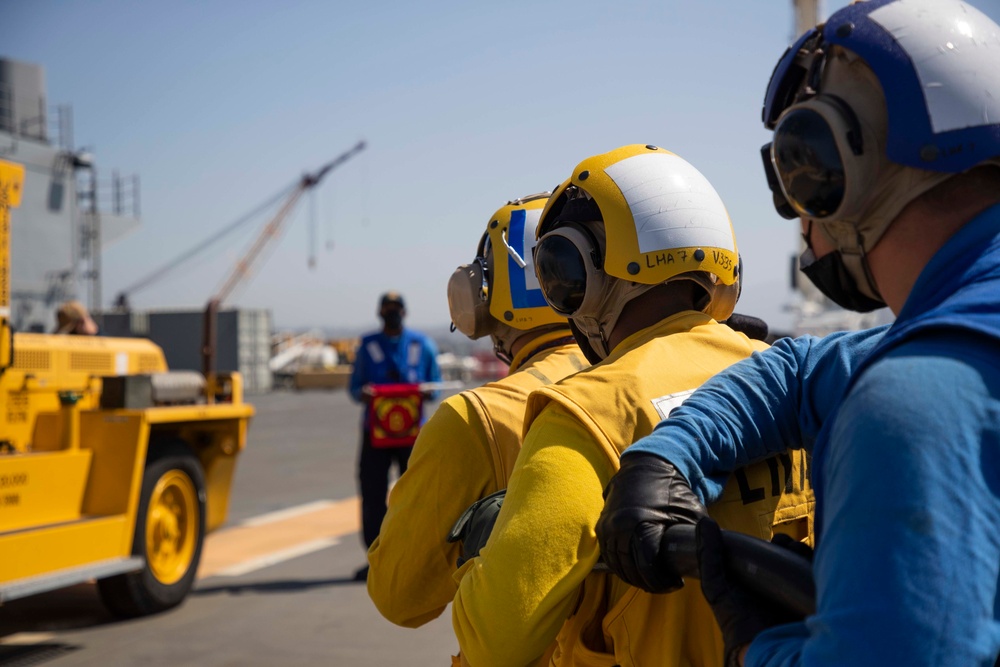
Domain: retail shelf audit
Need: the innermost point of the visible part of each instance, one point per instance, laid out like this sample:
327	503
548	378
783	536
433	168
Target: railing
50	125
115	194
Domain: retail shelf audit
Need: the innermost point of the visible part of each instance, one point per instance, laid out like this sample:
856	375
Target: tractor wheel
169	533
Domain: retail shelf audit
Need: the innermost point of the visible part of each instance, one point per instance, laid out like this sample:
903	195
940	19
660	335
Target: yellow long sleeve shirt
465	451
533	584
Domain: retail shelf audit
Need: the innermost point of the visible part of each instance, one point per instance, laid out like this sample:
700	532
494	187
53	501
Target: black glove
741	614
793	545
752	327
473	528
647	496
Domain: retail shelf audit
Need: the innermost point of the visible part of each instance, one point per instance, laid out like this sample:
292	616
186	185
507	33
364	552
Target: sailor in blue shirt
898	189
775	400
394	355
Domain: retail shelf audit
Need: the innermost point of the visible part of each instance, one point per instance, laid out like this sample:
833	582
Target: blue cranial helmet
884	102
938	62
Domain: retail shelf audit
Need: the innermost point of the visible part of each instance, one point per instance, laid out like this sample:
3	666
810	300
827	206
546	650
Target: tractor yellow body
104	474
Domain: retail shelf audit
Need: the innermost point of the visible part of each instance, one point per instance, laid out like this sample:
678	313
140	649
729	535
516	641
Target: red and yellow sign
394	415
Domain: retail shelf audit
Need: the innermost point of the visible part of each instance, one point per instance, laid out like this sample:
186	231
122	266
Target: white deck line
287	513
276	557
26	638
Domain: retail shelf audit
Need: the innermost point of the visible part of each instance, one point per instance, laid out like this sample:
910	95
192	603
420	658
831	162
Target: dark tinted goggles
781	205
485	247
562	275
816	157
808	163
564	267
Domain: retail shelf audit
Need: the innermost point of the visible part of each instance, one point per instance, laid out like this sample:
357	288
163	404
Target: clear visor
808	163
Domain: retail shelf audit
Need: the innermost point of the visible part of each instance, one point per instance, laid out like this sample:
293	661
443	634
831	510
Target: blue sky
217	105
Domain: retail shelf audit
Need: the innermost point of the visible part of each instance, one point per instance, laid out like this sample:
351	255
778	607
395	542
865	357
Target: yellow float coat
533	584
464	452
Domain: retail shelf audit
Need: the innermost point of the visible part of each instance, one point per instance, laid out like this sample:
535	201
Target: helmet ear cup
468	300
723	301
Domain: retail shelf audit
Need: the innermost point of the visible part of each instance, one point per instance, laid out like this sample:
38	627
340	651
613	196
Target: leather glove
473	528
741	614
793	545
646	496
752	327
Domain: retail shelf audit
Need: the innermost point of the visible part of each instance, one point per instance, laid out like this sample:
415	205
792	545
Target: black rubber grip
773	572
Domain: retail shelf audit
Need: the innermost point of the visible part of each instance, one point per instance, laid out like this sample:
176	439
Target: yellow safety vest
464	452
619	401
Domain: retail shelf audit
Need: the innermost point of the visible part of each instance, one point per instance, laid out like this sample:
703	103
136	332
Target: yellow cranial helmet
498	293
662	216
625	221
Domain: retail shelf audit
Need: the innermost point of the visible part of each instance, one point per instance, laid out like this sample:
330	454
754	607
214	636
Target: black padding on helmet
580	209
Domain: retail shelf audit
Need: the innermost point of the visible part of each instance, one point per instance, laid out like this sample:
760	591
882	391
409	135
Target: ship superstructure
69	210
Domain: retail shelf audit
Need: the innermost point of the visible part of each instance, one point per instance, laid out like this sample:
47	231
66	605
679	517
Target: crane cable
195	250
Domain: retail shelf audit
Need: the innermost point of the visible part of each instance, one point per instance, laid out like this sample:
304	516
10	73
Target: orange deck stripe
231	546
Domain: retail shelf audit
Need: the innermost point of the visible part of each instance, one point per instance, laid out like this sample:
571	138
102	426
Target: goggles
803	164
816	165
568	264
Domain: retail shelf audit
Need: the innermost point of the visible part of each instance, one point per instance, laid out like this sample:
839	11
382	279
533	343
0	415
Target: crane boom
273	229
246	264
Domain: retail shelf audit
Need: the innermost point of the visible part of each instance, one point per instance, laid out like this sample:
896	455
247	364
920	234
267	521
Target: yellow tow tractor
112	468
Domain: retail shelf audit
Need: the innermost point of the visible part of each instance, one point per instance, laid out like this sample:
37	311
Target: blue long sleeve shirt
772	401
408	358
906	468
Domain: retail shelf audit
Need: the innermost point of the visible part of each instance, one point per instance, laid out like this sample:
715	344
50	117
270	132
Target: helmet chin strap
584	344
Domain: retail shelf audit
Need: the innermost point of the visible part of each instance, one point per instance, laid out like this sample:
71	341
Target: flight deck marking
26	638
276	557
275	537
287	513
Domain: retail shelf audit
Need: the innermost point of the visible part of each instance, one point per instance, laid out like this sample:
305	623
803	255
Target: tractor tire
169	535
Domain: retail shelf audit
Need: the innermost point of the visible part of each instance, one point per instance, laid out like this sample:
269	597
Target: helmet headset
469	295
493	295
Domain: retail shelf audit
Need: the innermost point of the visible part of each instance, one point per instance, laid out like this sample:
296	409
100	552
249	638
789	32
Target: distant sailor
73	318
393	356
